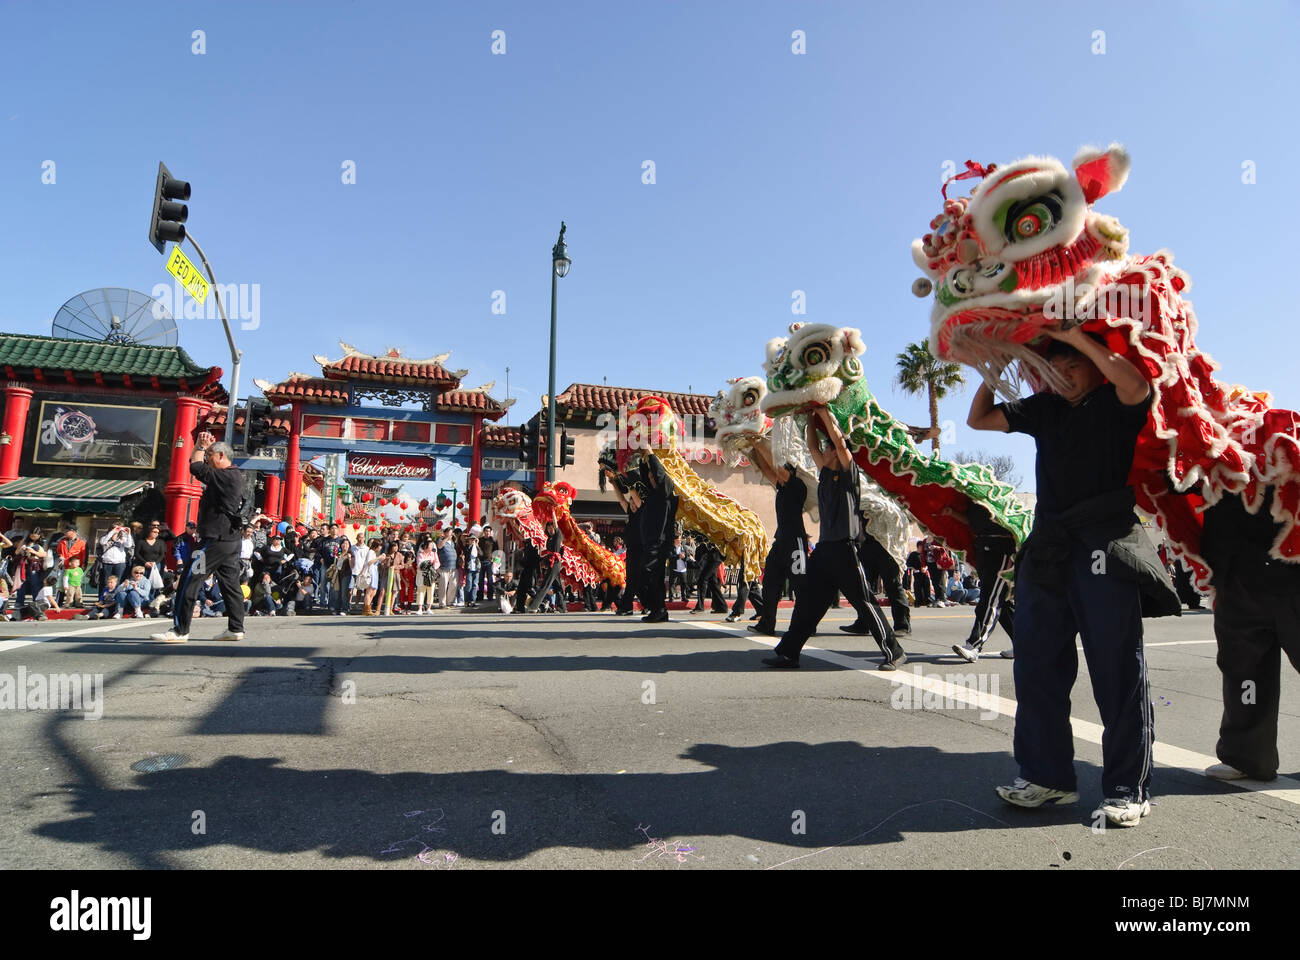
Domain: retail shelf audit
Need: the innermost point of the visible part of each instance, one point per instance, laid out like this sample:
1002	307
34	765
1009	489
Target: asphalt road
465	740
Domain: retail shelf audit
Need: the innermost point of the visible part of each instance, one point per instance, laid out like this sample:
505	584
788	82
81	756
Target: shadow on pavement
873	796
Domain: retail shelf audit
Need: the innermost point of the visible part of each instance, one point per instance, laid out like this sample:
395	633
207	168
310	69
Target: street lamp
560	263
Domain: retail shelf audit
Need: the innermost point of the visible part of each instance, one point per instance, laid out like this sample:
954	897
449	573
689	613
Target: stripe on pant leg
881	632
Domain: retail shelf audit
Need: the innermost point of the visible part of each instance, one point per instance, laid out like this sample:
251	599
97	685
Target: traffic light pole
236	355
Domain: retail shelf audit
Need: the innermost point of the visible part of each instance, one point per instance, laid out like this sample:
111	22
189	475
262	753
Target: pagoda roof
600	398
477	400
60	360
495	435
300	387
215	421
390	367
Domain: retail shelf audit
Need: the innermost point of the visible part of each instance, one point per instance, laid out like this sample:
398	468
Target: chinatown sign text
387	465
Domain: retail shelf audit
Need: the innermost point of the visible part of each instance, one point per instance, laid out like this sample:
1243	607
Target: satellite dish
116	315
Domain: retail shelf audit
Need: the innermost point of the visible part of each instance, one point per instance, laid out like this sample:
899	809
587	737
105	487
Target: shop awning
64	494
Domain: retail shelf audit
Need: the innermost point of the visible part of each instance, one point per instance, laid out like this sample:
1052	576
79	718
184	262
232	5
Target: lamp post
559	267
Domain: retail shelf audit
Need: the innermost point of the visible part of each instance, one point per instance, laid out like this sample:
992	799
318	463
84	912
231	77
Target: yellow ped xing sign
183	269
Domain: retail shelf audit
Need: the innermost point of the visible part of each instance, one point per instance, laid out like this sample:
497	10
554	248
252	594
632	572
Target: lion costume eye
750	397
815	354
1031	218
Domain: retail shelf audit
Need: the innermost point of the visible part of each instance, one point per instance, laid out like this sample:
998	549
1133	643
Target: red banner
387	465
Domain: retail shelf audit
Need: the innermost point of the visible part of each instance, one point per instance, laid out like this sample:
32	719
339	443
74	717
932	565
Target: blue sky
774	172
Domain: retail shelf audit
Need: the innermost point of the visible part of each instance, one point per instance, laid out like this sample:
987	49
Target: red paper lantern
424	527
403	504
424	504
371	528
367	497
460	506
383	502
438	525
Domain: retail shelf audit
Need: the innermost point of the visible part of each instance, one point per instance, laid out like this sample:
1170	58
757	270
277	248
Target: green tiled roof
57	354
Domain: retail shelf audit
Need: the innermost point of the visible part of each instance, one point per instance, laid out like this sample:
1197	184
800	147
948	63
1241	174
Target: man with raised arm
218	552
1086	569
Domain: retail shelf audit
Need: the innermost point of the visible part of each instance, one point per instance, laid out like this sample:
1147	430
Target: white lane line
1283	788
7	645
1173	643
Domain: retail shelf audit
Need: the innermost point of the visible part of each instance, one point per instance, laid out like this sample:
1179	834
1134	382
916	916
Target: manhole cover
164	761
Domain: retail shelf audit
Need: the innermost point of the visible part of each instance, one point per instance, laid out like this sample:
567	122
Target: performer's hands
205	440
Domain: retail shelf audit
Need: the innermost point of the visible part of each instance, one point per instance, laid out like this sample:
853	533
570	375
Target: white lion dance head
738	417
810	367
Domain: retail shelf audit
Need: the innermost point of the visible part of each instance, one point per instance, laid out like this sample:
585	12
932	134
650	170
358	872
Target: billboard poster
71	434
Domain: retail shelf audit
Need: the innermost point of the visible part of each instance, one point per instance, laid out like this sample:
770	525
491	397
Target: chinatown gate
392	416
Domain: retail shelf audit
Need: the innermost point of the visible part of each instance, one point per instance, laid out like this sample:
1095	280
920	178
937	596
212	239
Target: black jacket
223	492
1107	523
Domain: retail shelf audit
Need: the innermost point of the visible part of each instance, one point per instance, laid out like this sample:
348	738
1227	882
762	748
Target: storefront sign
386	465
97	434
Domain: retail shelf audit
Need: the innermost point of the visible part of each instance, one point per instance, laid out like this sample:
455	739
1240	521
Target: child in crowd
72	578
107	602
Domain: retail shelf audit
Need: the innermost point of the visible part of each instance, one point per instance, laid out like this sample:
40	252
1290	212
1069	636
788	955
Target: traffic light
566	448
256	412
529	441
169	216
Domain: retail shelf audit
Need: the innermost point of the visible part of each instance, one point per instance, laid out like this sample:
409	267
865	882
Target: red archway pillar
271	502
182	491
292	468
18	400
475	497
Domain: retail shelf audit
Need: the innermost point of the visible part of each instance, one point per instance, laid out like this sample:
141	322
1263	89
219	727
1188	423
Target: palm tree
920	372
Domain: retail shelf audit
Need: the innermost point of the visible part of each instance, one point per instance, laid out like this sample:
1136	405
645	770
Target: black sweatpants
835	567
876	562
1183	586
550	584
527	584
1105	611
921	586
787	563
992	557
654	544
753	592
676	577
632	589
1253	625
220	557
711	590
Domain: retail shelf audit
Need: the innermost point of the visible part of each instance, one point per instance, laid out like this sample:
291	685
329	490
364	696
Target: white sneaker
1223	771
229	635
171	636
116	616
966	652
1123	812
1022	793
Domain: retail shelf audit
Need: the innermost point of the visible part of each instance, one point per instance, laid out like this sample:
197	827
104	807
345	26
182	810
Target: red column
271	502
475	496
292	469
182	491
18	400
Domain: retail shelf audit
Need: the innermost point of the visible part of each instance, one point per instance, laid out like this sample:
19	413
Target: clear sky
774	171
